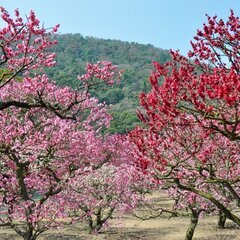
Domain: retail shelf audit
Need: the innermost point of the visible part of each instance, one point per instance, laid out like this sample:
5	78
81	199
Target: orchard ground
128	227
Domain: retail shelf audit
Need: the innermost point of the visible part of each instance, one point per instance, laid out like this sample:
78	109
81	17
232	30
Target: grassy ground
131	228
135	229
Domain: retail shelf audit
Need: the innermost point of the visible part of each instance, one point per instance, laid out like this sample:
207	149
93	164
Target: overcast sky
163	23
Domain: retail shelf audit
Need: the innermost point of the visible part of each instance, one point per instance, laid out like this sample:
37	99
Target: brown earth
135	229
131	228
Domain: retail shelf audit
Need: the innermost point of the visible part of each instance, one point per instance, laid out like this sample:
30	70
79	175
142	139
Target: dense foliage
74	50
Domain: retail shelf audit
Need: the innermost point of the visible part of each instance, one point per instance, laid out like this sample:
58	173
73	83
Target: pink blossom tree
39	154
24	45
48	134
97	194
114	185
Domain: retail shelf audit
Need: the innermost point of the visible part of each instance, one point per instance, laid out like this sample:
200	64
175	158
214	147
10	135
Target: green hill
74	50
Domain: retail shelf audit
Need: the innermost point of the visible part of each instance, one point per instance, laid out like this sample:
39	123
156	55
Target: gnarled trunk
226	211
95	226
221	220
193	224
29	236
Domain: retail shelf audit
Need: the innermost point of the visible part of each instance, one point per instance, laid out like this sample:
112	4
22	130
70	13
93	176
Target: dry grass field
135	229
131	228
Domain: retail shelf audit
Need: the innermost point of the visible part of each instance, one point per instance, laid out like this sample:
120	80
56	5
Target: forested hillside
74	50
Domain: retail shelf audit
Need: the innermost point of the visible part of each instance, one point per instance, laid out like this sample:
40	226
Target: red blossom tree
192	118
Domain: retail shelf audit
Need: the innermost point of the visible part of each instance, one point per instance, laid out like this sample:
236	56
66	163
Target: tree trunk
99	221
221	220
90	224
226	211
96	226
193	224
29	236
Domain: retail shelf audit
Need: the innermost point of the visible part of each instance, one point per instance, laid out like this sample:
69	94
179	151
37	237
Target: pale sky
163	23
